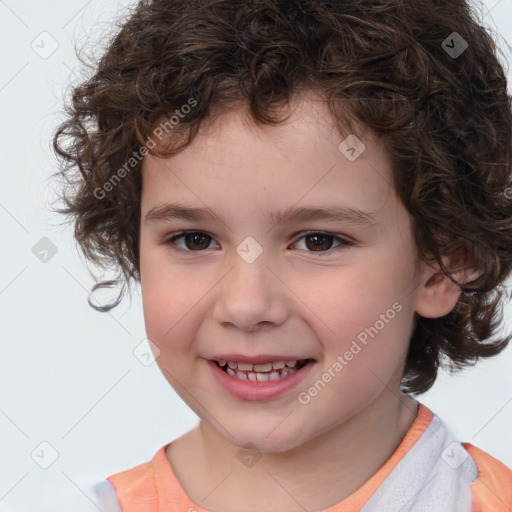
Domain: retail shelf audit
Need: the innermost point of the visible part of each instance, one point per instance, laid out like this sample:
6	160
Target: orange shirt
153	486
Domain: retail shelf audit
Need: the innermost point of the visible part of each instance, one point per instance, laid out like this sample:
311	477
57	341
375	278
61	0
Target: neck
315	475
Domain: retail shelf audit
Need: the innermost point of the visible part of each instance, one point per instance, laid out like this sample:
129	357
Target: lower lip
259	390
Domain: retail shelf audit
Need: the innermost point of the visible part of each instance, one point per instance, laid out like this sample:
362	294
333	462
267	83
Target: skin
290	300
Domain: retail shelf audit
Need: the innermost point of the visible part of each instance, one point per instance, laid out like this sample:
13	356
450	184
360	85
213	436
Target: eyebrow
170	211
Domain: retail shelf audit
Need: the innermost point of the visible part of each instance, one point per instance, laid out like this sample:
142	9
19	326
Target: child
344	169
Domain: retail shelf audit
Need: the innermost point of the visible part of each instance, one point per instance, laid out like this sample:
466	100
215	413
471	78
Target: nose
251	296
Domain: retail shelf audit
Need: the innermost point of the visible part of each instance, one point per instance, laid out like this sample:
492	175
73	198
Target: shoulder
107	497
150	486
136	486
492	489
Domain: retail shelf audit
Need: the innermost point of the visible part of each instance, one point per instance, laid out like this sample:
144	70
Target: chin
257	438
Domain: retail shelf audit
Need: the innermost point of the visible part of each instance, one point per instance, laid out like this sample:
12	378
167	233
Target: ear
437	295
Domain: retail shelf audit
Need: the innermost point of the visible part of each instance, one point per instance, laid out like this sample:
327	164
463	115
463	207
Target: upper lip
256	359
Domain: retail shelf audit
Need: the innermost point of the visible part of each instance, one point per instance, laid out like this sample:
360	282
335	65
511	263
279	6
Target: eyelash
344	245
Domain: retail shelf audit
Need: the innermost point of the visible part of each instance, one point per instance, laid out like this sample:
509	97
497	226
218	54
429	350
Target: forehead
234	162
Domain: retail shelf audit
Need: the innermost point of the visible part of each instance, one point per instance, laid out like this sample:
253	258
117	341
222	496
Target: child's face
302	297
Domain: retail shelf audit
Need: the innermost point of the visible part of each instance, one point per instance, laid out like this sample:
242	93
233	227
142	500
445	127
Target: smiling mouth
262	372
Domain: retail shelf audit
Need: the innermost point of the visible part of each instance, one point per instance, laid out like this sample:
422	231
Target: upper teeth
266	367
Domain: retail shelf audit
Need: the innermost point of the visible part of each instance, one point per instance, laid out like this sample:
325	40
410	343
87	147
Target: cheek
361	314
167	306
168	297
167	319
350	299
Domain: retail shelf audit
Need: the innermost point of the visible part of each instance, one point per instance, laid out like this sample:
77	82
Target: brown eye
194	241
322	243
315	242
319	241
197	241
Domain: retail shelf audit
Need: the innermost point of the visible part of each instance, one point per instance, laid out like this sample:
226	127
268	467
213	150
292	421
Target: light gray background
69	376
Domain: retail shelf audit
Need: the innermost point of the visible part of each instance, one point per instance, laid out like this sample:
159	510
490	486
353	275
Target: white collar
433	476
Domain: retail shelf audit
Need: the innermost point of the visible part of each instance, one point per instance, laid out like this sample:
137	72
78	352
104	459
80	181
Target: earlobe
437	294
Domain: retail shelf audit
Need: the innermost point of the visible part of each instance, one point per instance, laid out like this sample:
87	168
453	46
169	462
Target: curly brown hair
399	67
